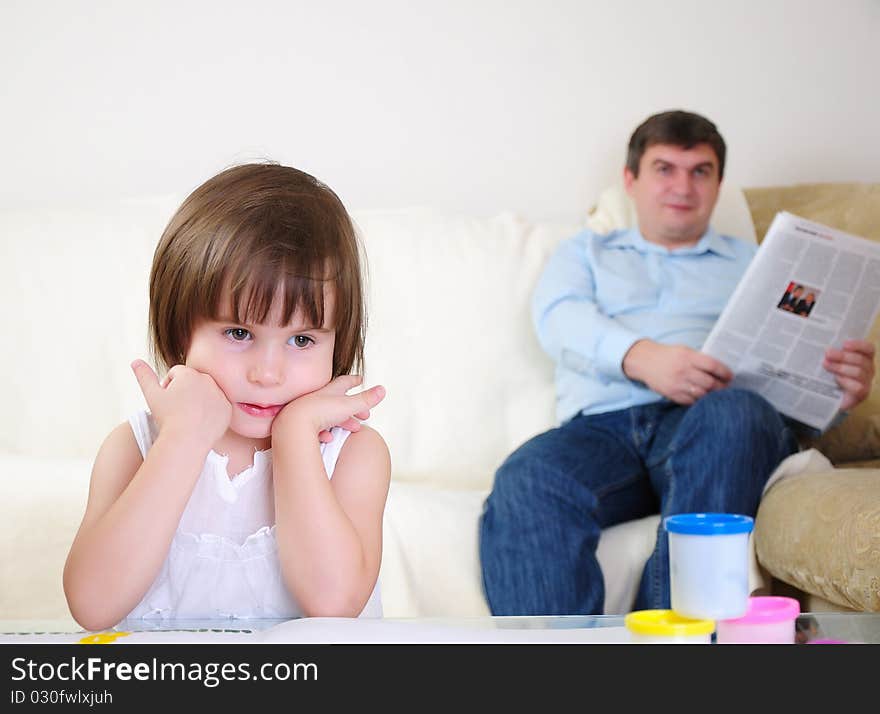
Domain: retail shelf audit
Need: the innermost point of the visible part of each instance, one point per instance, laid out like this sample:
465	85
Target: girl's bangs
254	288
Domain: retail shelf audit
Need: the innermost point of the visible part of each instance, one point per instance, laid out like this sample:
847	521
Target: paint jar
667	626
769	620
709	564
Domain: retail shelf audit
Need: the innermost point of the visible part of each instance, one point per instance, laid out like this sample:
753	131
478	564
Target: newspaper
809	287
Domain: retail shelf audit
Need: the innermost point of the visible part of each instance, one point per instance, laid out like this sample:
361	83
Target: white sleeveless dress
223	559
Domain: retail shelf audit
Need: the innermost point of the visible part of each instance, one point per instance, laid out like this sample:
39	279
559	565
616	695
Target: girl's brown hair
255	229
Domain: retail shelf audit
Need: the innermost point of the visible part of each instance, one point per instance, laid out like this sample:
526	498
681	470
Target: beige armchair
818	534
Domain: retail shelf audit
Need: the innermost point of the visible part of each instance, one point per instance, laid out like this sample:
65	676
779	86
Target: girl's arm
329	531
135	504
133	509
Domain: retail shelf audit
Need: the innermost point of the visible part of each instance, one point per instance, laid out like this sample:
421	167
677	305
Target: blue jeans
553	496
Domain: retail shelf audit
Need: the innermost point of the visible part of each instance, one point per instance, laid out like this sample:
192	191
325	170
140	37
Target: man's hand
330	406
677	372
853	367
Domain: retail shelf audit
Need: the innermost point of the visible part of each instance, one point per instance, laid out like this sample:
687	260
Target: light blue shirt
599	294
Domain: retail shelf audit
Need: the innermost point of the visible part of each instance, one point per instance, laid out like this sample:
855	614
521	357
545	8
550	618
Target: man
804	306
647	421
791	298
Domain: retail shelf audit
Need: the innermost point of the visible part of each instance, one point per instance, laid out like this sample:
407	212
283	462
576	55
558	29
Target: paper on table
330	630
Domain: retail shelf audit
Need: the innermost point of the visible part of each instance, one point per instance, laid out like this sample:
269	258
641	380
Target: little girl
250	487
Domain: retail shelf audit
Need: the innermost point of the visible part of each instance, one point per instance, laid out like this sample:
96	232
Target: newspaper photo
809	287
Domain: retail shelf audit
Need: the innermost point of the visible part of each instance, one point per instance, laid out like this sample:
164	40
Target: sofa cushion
430	555
430	562
43	502
853	208
820	531
430	559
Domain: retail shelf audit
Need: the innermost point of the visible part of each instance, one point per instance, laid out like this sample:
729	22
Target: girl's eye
239	334
300	341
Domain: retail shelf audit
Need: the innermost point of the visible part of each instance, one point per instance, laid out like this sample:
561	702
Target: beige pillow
854	208
850	207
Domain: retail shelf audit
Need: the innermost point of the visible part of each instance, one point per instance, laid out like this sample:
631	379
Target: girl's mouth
256	410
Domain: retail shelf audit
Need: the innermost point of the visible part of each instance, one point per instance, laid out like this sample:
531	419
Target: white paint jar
709	564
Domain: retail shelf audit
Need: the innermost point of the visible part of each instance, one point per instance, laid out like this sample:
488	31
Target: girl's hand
187	401
350	424
330	406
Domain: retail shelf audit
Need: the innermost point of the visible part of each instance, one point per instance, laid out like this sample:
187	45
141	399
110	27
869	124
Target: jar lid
666	623
766	609
709	523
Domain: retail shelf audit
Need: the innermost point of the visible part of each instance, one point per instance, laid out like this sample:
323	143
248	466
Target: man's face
674	193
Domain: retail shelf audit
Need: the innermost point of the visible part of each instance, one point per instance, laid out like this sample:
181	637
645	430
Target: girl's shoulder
120	448
122	437
365	452
366	440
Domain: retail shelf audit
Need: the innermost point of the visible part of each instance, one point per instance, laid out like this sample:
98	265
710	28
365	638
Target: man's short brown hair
253	230
677	128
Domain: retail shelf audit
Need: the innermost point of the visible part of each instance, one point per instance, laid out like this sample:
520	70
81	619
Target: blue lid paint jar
708	564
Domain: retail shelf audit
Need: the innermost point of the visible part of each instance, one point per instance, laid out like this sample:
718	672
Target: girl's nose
267	368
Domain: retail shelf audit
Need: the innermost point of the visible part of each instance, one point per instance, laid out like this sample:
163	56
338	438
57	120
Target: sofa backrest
449	334
75	307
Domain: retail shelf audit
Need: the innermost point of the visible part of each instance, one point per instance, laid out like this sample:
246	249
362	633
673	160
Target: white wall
469	105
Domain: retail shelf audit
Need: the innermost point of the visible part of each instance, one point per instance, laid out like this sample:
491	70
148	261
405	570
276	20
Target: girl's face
261	368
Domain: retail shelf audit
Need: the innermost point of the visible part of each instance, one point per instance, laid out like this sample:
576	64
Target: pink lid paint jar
769	620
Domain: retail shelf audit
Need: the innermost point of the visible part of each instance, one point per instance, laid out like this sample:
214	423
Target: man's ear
628	179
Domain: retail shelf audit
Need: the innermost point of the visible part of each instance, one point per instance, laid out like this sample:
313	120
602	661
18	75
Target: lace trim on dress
220	548
229	488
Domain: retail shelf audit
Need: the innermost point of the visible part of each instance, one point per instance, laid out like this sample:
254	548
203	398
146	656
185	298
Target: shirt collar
711	241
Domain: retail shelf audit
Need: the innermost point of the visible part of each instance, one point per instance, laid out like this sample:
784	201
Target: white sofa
449	336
